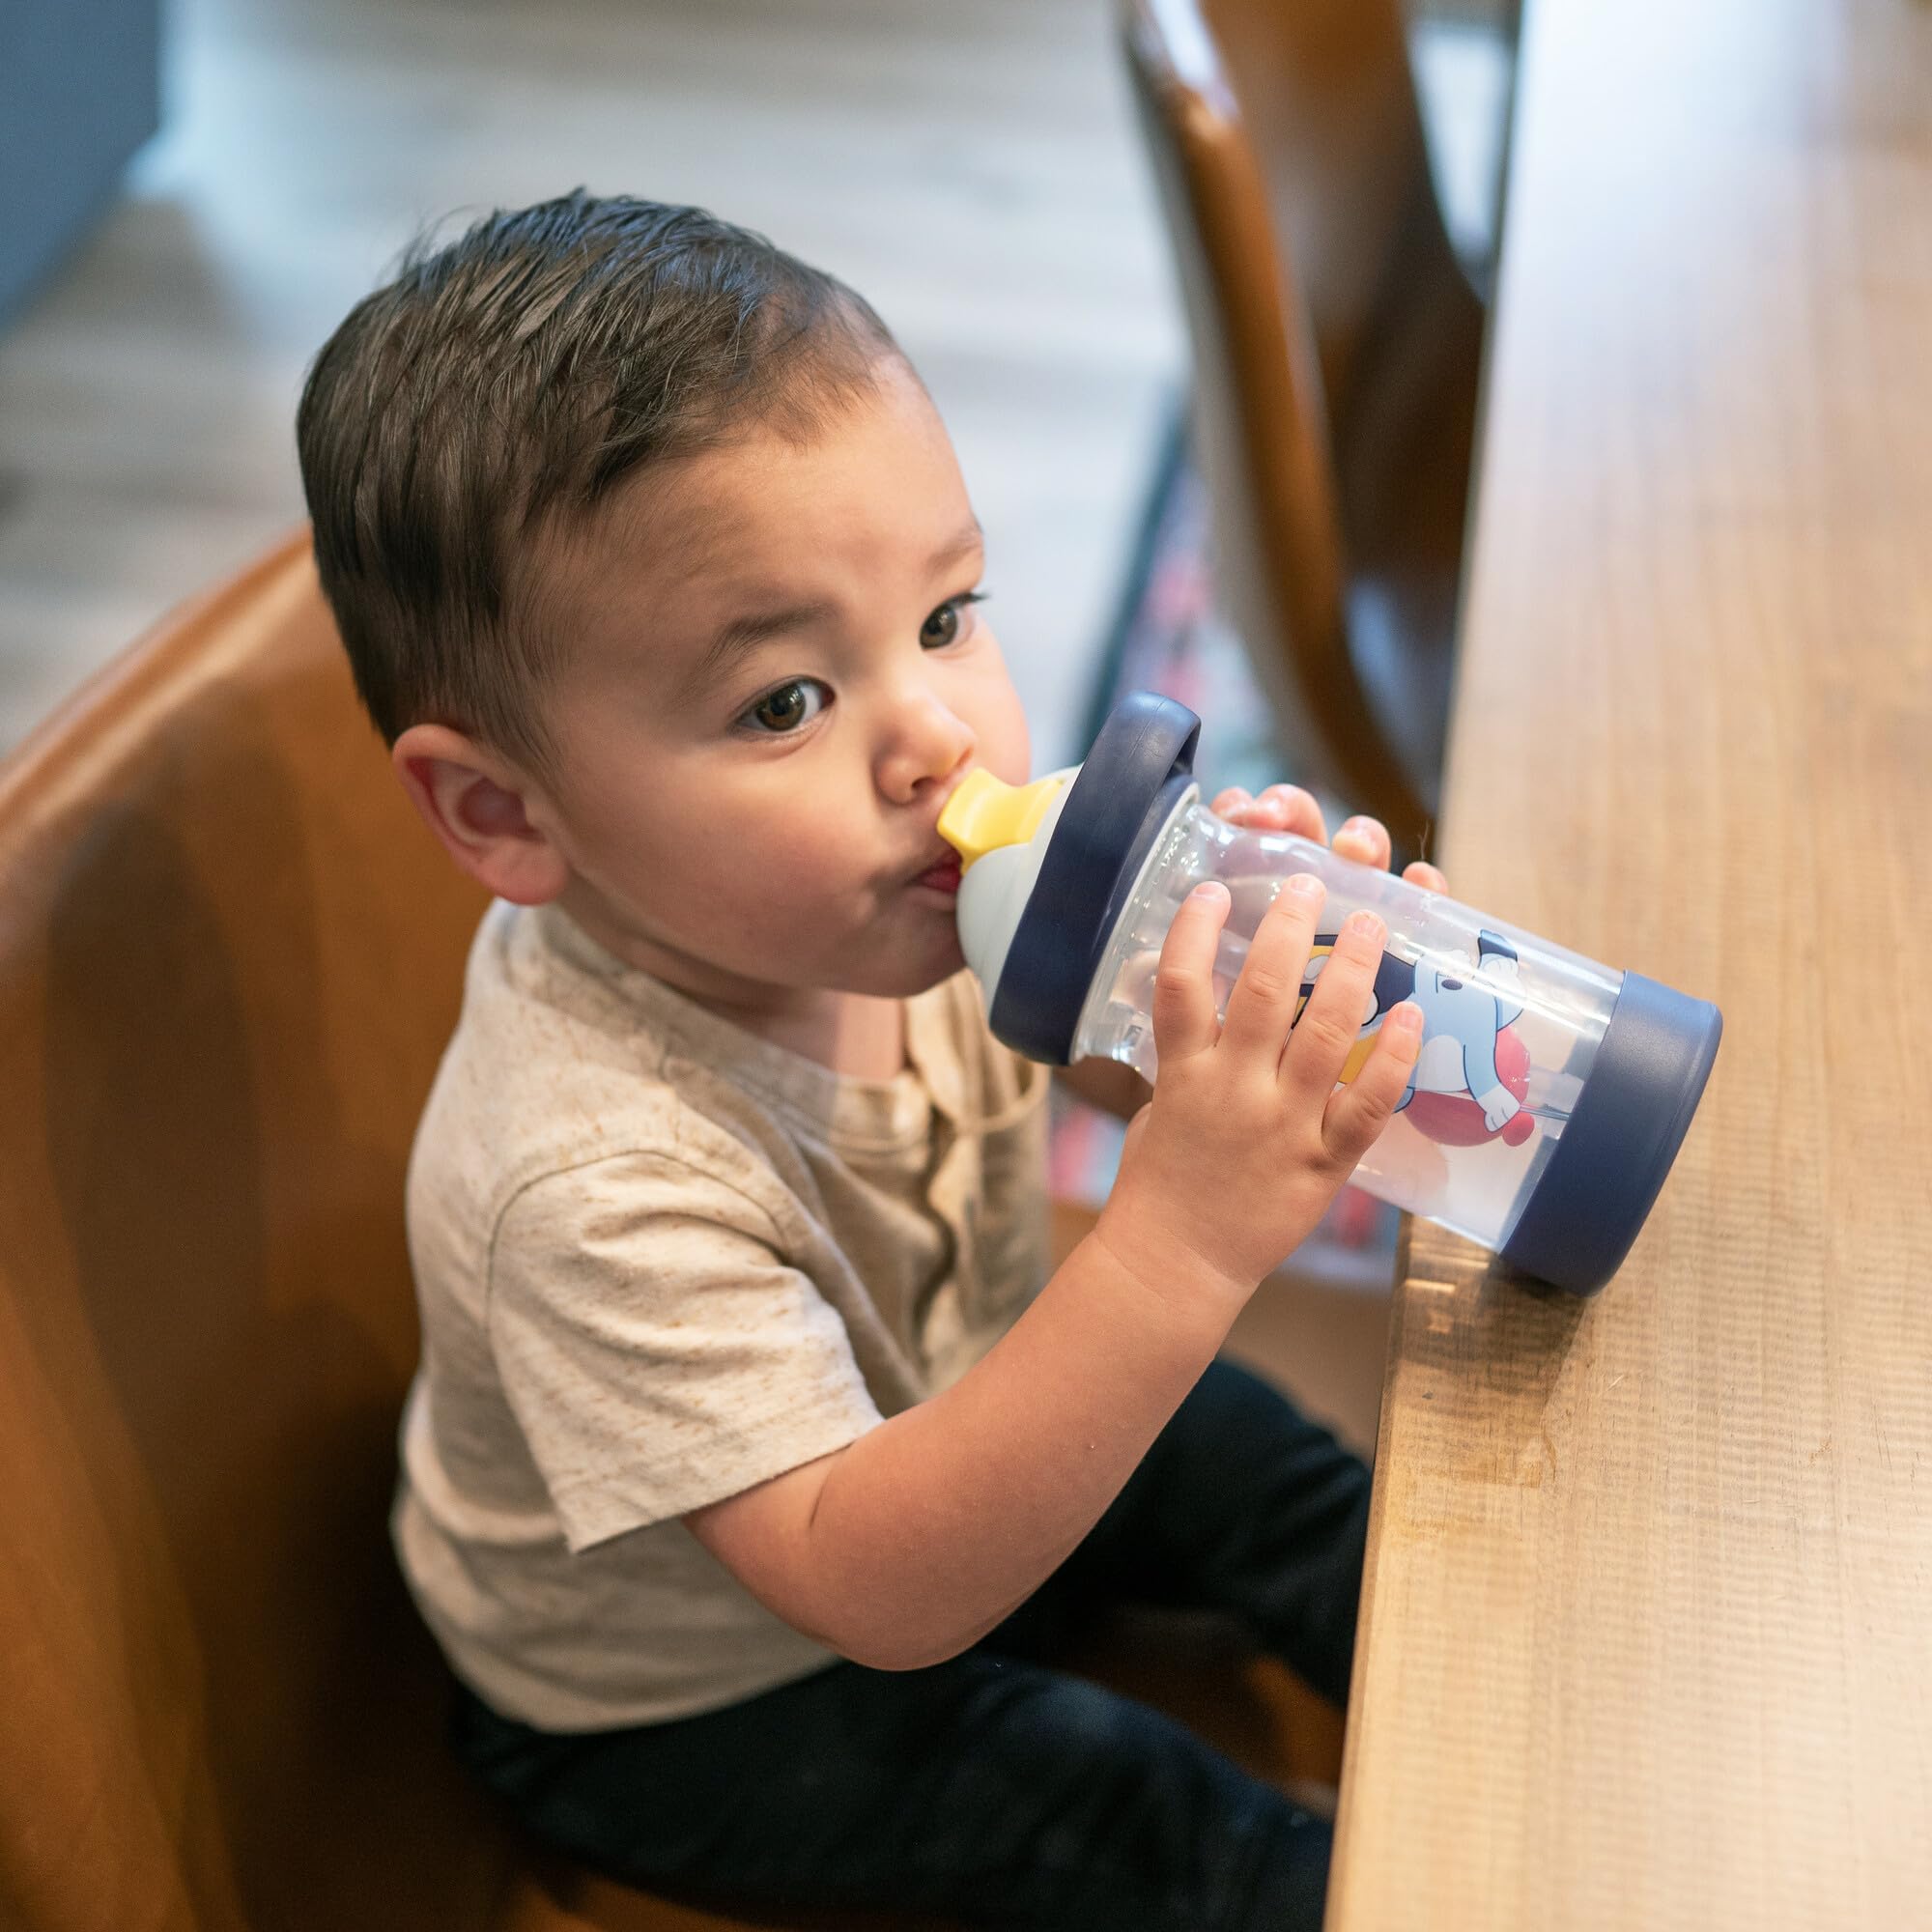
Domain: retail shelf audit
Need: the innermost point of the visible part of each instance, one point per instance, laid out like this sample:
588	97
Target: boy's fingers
1330	1024
1183	982
1261	1009
1366	840
1358	1112
1420	872
1281	808
1293	808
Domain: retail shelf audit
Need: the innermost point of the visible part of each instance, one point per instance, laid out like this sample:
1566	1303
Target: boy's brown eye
789	706
942	627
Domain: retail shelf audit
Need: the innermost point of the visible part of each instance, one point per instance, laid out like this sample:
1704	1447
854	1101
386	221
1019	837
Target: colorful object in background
1171	637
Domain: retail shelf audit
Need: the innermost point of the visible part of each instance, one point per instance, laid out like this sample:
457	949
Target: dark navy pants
994	1789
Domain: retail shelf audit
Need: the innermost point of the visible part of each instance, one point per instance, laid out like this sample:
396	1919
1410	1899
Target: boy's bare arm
916	1540
912	1543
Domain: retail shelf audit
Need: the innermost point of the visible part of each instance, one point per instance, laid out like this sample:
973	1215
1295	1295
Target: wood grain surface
1647	1634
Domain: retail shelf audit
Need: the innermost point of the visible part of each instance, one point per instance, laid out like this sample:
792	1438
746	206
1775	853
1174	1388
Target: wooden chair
1336	349
228	959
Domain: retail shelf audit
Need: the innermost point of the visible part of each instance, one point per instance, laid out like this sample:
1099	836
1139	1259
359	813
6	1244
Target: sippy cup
1549	1094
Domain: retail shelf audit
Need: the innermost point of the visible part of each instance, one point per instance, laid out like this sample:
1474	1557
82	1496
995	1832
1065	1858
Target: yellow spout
985	813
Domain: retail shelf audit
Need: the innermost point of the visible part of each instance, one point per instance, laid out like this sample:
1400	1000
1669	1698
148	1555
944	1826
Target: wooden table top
1647	1636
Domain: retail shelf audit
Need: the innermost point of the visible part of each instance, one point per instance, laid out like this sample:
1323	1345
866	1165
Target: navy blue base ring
1632	1116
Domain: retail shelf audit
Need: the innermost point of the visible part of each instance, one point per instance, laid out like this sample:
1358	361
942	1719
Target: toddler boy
756	1466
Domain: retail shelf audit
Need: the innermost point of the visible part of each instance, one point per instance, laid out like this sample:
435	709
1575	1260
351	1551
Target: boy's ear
475	803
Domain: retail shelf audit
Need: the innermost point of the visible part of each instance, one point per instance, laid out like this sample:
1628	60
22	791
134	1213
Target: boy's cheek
1013	747
754	885
1005	749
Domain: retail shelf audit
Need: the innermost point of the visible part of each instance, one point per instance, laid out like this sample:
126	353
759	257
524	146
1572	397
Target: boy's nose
929	743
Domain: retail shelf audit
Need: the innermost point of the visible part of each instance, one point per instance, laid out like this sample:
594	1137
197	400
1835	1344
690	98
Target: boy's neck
860	1034
864	1038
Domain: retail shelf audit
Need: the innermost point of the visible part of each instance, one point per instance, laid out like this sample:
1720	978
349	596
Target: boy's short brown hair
499	388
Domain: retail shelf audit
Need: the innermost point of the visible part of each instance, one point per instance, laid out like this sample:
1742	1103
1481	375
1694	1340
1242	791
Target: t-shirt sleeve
657	1351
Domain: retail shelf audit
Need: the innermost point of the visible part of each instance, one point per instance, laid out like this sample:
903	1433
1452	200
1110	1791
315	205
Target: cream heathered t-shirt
660	1259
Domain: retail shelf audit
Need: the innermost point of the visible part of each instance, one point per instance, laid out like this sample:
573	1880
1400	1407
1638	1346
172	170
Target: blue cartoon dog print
1461	1020
1460	1023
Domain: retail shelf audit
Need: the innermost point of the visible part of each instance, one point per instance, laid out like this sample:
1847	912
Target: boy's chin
900	972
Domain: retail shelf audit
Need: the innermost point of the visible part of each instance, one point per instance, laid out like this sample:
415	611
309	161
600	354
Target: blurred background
191	198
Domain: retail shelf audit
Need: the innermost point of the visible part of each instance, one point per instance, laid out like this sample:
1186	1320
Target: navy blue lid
1140	766
1608	1167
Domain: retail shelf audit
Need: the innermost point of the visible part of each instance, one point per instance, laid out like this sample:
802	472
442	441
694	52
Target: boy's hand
1248	1138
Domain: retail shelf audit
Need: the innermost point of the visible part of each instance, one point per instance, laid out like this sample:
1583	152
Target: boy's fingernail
1366	925
1306	885
1209	891
1404	1018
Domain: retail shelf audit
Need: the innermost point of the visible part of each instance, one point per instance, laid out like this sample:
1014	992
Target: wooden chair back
1336	346
228	959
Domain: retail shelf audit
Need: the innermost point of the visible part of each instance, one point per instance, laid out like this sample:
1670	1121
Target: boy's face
772	681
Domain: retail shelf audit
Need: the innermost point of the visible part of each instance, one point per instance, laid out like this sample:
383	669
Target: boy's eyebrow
757	627
970	539
739	636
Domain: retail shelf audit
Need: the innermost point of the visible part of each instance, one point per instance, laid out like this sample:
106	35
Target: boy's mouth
943	876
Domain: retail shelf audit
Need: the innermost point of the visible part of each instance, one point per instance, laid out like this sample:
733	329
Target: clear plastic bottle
1529	1049
1506	1048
